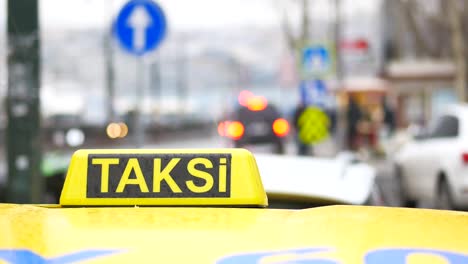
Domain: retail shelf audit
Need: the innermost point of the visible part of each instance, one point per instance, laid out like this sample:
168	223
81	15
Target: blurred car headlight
75	137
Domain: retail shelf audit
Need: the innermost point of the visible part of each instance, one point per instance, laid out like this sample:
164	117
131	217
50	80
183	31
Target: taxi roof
340	234
178	234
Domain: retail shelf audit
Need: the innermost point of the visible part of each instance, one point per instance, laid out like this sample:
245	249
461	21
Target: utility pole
304	38
337	31
139	122
23	130
155	81
342	125
109	61
458	47
181	81
109	65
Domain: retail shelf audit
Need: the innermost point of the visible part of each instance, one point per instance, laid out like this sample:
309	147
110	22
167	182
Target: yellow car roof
92	225
334	234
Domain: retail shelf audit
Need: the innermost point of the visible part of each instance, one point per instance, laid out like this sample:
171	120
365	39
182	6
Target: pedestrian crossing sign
313	124
317	61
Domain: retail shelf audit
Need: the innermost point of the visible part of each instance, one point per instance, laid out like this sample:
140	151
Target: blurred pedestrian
302	148
354	116
389	117
332	116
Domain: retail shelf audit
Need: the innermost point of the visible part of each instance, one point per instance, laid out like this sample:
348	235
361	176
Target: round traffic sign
140	26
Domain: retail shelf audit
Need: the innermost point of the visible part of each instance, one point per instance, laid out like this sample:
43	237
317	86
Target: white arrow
139	20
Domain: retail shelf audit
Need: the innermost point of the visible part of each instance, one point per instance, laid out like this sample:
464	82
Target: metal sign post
141	89
139	28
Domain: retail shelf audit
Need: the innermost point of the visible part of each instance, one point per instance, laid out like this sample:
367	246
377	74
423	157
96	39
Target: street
325	149
208	138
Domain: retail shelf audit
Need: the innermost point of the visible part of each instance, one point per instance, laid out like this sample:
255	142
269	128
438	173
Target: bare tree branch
399	41
288	31
439	30
286	25
454	15
409	8
464	14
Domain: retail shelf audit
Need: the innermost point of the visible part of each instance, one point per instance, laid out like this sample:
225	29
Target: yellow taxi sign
194	177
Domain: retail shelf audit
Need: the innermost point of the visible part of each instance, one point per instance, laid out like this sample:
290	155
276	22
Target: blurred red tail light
222	126
281	127
464	157
234	130
257	103
244	97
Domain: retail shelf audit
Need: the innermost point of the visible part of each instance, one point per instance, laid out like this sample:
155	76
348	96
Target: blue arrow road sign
140	26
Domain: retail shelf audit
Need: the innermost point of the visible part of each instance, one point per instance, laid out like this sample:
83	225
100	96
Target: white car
310	181
434	167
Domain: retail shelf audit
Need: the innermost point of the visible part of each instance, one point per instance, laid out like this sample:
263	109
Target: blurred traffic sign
140	26
314	92
355	45
313	124
316	61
